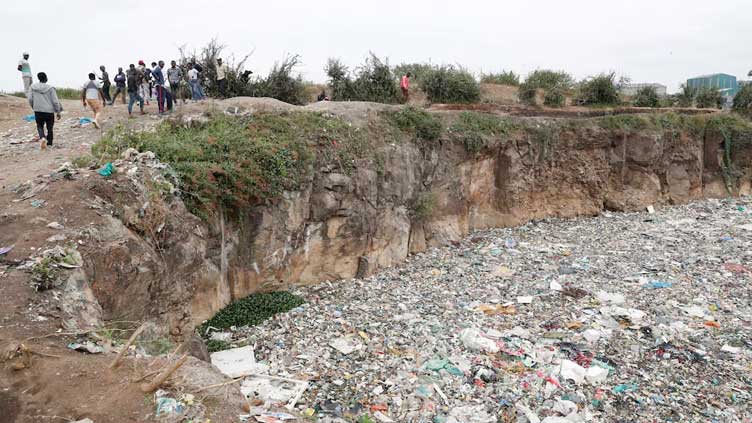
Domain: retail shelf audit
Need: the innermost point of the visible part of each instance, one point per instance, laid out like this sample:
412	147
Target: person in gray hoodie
43	100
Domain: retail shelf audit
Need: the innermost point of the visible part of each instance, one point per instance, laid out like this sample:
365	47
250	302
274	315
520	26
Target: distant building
630	90
723	82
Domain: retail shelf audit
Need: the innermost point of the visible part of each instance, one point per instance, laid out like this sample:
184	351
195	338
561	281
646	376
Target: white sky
662	41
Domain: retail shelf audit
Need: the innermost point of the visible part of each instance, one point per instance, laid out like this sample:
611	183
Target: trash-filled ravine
639	316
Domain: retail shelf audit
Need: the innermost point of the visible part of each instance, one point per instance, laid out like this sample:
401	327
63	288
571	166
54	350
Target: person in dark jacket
162	93
120	86
135	79
45	104
105	78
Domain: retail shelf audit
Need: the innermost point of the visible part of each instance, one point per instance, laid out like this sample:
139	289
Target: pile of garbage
622	317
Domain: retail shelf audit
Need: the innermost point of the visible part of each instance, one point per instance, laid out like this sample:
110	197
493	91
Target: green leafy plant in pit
238	161
501	78
253	310
743	101
365	419
547	80
708	98
44	274
449	84
425	206
599	90
421	124
646	97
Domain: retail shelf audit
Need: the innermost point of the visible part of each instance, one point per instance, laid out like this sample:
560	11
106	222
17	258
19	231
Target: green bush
554	98
420	123
239	161
709	98
646	97
372	81
62	93
253	310
501	78
376	82
447	84
340	84
281	84
546	80
473	129
417	71
743	101
686	97
599	90
207	58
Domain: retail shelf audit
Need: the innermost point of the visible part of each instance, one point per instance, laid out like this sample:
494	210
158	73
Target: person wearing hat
25	68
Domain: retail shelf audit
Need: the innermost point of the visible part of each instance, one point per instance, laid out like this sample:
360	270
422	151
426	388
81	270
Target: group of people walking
142	84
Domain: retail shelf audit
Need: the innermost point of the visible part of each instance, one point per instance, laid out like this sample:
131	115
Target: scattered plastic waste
30	118
237	362
631	318
86	346
106	170
85	121
659	284
6	250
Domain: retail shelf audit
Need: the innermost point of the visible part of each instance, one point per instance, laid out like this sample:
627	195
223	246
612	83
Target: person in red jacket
405	86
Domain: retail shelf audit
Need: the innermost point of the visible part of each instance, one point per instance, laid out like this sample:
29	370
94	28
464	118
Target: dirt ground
58	384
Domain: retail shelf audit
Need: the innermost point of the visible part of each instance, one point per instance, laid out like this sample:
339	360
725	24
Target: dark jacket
120	80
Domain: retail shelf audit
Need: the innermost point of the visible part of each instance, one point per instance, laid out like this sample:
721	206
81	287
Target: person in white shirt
92	96
25	68
194	81
222	70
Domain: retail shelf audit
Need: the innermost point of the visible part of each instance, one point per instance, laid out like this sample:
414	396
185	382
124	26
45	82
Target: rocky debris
650	321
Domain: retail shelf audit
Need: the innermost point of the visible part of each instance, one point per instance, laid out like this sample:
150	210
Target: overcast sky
662	41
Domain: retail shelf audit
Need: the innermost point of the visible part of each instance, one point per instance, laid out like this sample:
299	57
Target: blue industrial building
726	83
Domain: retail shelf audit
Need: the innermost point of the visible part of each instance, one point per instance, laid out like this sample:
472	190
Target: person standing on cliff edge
25	68
405	87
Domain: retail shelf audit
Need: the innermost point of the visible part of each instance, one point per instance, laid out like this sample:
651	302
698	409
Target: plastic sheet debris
30	118
438	364
87	346
6	250
274	417
659	284
107	170
474	339
85	121
276	390
55	225
167	405
345	345
237	362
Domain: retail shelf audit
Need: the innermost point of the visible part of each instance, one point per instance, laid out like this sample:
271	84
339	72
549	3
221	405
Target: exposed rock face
338	224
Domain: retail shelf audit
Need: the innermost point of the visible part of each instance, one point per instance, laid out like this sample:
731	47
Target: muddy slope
418	195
